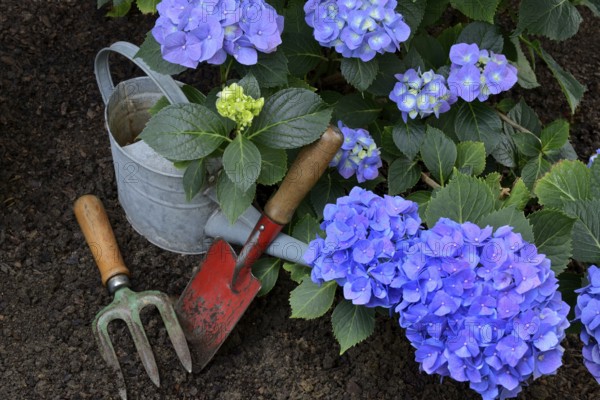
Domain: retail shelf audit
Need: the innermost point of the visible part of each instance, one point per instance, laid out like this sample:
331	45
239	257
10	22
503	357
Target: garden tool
126	304
223	288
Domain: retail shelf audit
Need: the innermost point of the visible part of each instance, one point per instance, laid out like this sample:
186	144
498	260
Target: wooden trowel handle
308	167
99	235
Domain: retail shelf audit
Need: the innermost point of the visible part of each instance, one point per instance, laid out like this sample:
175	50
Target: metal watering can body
150	188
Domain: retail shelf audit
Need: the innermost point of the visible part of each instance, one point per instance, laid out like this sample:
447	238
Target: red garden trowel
221	291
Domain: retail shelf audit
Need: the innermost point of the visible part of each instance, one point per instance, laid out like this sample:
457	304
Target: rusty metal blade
209	309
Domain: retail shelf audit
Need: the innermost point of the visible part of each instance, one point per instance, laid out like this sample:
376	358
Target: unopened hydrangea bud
232	103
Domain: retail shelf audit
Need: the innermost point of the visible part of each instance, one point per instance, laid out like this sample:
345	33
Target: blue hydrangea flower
357	28
421	94
359	154
481	306
477	74
193	31
587	311
592	158
366	236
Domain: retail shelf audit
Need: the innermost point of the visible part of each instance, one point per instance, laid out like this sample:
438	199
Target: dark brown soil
54	148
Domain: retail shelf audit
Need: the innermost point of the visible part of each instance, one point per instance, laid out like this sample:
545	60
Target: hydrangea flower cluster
592	158
359	154
357	28
193	31
587	311
481	306
232	103
477	74
421	94
366	236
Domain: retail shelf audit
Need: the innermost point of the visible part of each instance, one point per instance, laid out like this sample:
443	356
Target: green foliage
482	10
232	200
242	162
478	122
352	324
408	137
439	154
266	270
586	231
185	131
310	300
470	158
358	73
403	174
290	118
193	178
555	19
552	232
567	181
509	216
464	199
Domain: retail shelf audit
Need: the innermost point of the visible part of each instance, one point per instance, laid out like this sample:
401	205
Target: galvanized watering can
150	188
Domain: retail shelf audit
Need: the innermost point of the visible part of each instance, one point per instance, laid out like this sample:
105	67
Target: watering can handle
165	83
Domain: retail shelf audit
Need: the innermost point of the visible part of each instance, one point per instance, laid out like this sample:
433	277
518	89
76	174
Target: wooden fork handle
94	224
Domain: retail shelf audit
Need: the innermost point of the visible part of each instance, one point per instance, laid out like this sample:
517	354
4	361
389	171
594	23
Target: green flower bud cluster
232	103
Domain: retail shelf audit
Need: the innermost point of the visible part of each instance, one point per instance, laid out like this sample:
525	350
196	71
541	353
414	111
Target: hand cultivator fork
126	304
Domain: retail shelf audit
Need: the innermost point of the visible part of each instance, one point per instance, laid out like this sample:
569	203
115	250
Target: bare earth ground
54	148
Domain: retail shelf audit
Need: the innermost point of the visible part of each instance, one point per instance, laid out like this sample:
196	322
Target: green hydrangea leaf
302	51
325	191
519	195
356	111
352	324
470	157
439	154
481	10
567	181
358	73
534	170
555	19
273	165
478	122
271	70
147	6
242	162
555	135
409	136
310	300
552	231
298	272
586	232
193	178
232	200
183	132
266	270
307	229
463	199
403	174
290	118
250	86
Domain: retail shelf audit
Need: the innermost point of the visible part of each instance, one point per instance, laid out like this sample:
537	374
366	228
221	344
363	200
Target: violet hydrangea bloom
357	28
481	306
587	311
592	158
421	94
366	236
477	74
359	154
193	31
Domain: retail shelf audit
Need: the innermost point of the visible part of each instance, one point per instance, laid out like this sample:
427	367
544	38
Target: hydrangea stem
515	125
430	182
